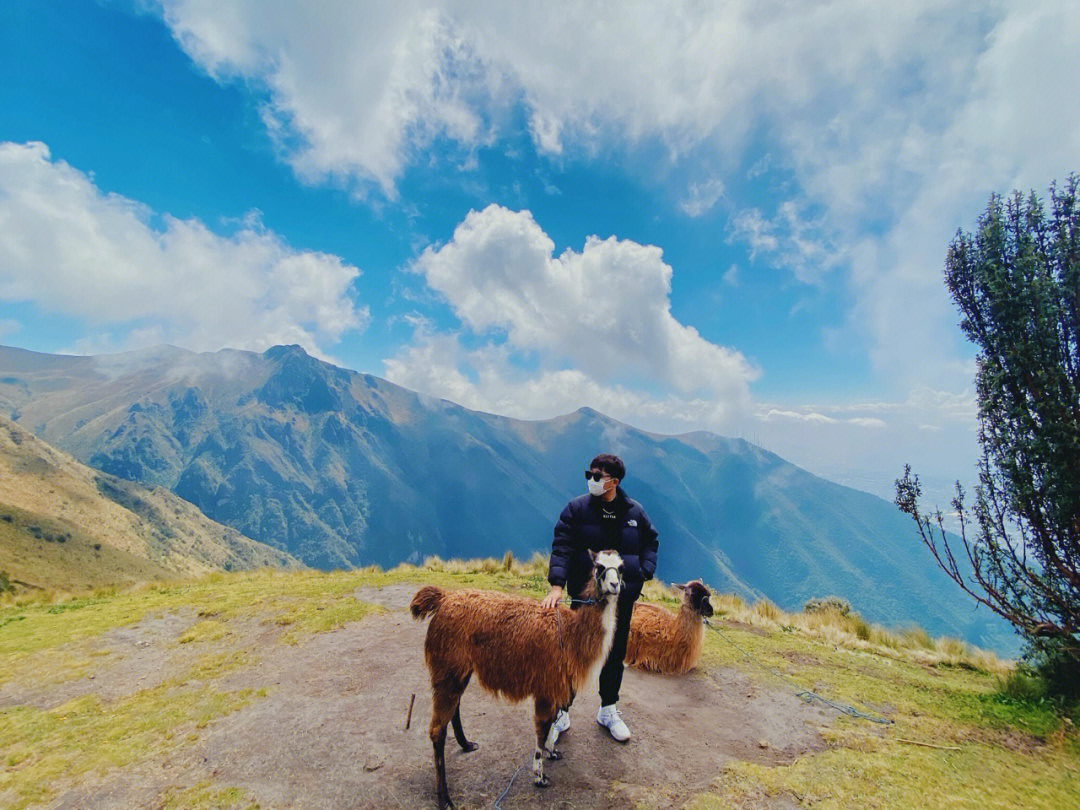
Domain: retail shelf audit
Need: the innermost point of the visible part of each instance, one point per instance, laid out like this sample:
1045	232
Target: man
603	519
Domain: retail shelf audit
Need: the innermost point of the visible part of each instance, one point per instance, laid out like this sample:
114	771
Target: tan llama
661	641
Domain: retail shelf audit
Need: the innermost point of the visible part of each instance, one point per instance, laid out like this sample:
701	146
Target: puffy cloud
70	248
556	332
605	310
354	91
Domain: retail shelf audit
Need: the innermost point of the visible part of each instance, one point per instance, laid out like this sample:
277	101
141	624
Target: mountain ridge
343	468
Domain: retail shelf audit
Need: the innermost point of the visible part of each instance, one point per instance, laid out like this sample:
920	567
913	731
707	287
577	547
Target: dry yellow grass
62	523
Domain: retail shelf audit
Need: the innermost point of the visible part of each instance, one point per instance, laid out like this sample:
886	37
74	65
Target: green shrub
1022	684
828	603
5	583
1057	668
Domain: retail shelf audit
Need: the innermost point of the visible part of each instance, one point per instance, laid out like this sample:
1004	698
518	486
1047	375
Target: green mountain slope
344	469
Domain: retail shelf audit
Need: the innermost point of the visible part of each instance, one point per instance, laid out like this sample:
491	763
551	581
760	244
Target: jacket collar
620	501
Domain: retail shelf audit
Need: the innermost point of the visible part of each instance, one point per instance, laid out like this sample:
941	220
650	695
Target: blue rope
805	694
498	805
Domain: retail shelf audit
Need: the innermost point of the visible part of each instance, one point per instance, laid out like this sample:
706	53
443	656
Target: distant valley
343	469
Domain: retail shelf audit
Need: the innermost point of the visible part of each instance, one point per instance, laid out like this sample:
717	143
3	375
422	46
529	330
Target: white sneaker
609	718
562	721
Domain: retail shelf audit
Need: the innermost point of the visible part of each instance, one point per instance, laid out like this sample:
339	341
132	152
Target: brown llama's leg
543	719
444	702
459	732
438	741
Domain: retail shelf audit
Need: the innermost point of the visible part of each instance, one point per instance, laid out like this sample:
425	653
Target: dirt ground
330	732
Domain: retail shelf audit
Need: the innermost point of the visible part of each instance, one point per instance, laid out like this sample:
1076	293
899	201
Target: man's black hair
610	464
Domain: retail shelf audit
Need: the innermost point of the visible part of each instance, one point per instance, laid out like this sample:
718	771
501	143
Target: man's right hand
553	597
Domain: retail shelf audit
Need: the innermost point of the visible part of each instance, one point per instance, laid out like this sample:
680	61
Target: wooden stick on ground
408	719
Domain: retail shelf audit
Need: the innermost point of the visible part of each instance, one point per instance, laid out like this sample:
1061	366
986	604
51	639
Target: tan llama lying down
662	642
515	648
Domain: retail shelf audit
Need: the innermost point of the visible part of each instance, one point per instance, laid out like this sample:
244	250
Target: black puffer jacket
582	526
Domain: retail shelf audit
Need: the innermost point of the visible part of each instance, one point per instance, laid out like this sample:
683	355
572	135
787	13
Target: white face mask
597	487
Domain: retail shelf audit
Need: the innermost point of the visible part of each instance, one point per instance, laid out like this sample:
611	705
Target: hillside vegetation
264	688
63	525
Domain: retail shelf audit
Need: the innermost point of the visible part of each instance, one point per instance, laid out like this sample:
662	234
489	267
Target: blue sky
730	218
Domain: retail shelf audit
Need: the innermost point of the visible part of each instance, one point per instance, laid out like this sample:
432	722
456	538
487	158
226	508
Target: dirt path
330	734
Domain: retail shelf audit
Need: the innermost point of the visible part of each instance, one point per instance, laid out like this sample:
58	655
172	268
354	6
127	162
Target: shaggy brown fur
661	641
516	649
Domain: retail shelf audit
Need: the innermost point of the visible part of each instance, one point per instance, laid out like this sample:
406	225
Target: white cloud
592	327
353	92
606	310
701	197
9	326
752	227
487	379
866	444
789	239
70	248
686	75
892	122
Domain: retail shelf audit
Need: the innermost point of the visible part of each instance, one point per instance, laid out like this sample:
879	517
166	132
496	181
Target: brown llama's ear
677	585
593	555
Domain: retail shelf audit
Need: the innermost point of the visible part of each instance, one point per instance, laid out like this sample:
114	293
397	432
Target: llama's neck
690	626
689	620
592	636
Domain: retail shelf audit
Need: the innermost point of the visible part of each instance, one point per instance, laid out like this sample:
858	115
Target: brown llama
661	641
516	649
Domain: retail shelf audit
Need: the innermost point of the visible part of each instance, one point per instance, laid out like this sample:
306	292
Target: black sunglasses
595	476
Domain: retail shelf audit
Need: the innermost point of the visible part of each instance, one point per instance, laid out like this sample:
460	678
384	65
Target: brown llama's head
696	597
607	573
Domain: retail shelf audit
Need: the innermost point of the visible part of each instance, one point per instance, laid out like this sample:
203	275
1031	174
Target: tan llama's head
696	597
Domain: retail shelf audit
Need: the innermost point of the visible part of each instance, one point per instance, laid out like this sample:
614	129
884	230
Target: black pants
611	674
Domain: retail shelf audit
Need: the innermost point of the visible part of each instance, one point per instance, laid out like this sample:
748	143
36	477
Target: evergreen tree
1016	281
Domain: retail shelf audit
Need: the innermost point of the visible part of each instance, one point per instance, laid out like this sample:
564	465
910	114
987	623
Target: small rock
762	744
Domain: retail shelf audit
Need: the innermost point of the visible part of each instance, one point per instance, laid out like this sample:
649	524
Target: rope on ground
498	801
805	694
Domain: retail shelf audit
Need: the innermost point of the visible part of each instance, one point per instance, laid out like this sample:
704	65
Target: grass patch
206	630
207	795
43	746
887	774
